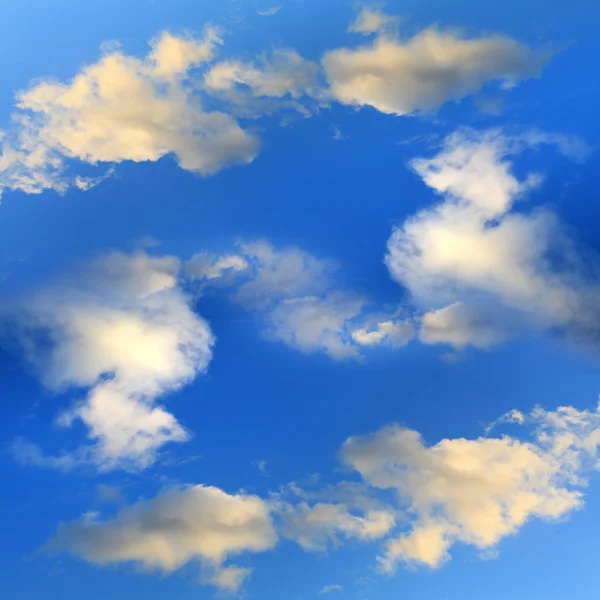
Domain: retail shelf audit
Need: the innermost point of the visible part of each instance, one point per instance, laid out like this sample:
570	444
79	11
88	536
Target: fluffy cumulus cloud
122	108
123	329
404	76
480	269
181	525
477	491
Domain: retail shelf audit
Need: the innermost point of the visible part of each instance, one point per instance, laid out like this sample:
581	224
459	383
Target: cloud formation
299	299
372	20
328	589
282	73
392	333
470	491
197	523
477	491
126	108
320	525
482	269
124	330
122	108
420	74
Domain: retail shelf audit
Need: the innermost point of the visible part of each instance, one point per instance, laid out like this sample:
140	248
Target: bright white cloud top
481	266
123	328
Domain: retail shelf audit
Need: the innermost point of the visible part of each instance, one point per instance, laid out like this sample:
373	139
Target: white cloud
299	299
572	435
284	72
123	329
460	325
512	416
328	589
209	266
470	491
269	12
180	525
230	579
122	108
87	183
315	527
371	20
396	334
481	268
312	323
424	72
262	466
126	108
283	274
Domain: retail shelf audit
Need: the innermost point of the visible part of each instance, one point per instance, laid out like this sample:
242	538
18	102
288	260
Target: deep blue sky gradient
262	400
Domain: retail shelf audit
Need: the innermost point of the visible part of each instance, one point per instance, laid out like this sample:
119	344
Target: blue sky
299	299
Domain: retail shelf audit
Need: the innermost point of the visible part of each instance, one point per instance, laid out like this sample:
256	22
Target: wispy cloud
269	12
328	589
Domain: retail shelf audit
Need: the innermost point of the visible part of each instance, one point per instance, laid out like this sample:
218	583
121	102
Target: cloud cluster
124	330
122	108
299	299
125	108
470	491
483	269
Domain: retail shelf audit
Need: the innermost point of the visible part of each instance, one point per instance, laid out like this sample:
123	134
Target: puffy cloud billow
122	108
404	76
122	329
197	523
481	270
